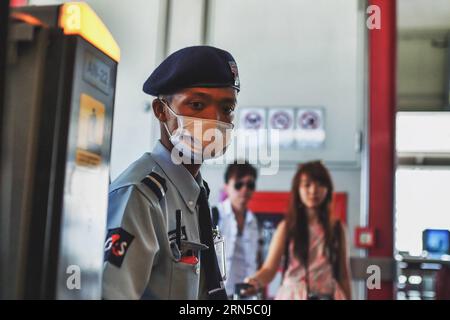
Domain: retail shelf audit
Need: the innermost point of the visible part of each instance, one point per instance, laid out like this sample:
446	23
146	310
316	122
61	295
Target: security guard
160	241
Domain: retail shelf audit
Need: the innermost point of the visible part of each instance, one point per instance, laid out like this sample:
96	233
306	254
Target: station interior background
305	53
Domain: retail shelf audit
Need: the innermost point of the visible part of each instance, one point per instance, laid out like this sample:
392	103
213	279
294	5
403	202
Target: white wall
423	54
423	14
186	24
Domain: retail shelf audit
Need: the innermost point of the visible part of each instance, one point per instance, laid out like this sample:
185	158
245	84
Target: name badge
219	246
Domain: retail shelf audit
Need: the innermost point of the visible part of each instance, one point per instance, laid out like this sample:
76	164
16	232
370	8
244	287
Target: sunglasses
250	185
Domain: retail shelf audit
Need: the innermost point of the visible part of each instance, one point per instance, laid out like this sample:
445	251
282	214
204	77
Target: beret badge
234	71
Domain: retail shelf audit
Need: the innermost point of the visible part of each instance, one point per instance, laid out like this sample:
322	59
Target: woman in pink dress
313	244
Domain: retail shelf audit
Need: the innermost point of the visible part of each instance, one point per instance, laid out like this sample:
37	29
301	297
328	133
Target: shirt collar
187	186
229	211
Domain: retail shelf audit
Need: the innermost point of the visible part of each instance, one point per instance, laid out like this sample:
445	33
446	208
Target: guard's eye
229	110
197	105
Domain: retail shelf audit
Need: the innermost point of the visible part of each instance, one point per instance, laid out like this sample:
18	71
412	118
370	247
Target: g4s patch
116	245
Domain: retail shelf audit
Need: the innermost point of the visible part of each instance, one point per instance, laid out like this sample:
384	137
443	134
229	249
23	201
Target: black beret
197	66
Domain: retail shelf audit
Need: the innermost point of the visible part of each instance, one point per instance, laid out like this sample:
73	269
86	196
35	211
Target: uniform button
197	270
191	203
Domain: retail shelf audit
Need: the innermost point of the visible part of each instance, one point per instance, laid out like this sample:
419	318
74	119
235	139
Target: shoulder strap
336	249
286	255
206	188
156	183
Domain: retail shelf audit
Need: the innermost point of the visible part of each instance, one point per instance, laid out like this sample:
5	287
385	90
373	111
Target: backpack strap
156	183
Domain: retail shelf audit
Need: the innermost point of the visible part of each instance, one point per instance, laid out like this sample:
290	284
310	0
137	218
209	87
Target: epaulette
156	183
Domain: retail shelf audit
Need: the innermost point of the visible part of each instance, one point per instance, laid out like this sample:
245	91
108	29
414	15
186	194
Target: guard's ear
159	110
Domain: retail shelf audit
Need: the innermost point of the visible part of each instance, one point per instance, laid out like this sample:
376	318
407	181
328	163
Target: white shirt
240	251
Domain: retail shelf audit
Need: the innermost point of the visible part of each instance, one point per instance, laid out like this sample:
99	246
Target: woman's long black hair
297	219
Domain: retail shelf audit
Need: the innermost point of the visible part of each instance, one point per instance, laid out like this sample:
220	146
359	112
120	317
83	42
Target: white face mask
199	139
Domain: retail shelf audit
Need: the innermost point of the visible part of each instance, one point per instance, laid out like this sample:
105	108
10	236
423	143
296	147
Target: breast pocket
184	281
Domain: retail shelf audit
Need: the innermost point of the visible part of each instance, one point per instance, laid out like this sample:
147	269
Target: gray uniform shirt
139	262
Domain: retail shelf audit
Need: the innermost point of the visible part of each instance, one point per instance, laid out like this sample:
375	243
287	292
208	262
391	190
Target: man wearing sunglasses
238	224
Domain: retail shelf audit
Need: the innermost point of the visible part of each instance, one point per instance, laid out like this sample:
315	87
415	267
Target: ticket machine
56	124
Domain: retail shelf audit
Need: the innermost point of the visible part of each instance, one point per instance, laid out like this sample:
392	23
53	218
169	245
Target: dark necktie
208	258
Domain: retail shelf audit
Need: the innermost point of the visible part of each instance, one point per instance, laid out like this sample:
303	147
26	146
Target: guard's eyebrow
208	96
200	94
228	100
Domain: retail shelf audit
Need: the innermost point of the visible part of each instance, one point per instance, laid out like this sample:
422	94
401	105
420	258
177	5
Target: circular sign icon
252	120
281	120
309	120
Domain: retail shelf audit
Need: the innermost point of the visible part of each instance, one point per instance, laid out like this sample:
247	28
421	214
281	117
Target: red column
382	90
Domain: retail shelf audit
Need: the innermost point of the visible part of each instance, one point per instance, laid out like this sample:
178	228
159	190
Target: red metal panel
339	206
269	202
18	3
382	75
278	202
